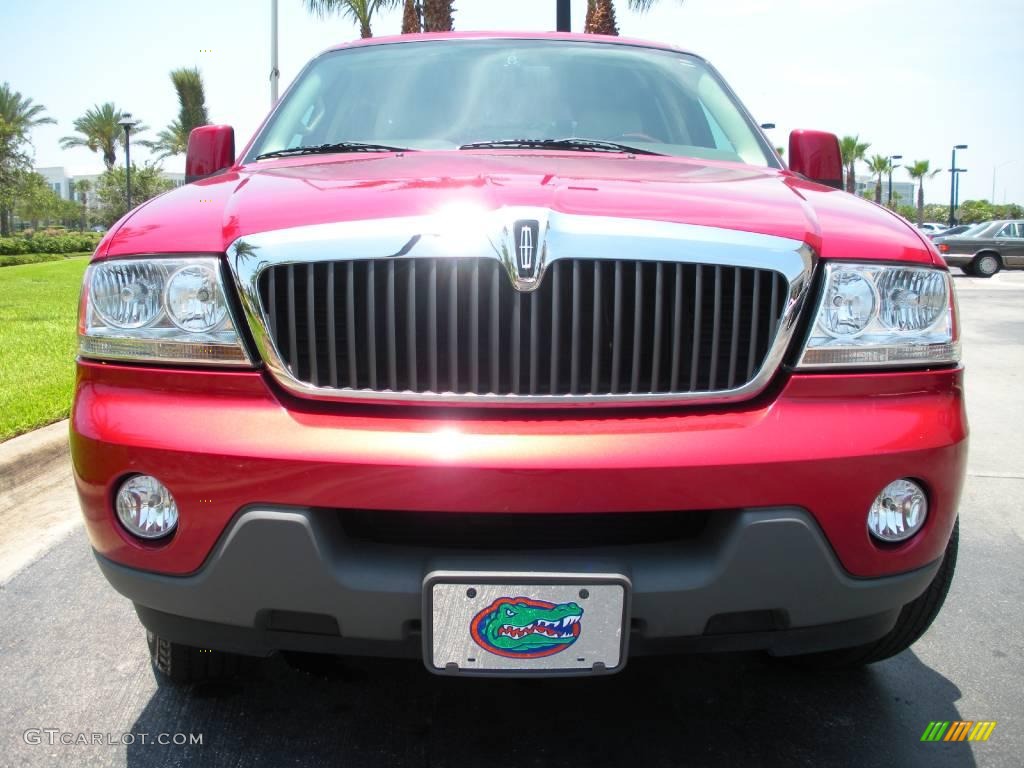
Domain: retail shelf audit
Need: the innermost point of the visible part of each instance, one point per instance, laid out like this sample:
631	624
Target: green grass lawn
38	318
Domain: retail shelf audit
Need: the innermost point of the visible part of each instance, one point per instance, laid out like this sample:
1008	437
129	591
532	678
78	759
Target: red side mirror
211	148
816	155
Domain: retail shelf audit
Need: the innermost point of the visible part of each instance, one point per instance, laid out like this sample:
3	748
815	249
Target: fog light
146	508
898	512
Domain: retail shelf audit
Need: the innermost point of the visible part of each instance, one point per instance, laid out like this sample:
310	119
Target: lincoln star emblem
526	234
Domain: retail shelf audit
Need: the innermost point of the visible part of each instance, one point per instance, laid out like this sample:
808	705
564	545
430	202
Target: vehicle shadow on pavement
728	709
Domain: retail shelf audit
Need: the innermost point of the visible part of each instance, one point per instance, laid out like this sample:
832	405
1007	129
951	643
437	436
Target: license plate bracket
499	623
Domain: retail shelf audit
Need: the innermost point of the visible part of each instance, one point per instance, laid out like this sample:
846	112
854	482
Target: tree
99	131
918	171
601	15
192	113
852	149
437	16
111	191
601	18
411	22
360	11
879	165
18	116
36	199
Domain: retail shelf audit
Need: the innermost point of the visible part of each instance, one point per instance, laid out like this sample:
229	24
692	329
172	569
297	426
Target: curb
28	456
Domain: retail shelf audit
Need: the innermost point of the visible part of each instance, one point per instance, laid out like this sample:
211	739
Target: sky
913	77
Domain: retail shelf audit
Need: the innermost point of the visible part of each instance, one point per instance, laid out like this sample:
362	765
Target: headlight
873	315
163	310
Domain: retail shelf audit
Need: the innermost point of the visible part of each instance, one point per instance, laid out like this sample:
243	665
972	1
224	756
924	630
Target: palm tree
601	15
99	131
411	23
437	16
852	150
879	165
361	11
18	116
601	18
920	170
192	113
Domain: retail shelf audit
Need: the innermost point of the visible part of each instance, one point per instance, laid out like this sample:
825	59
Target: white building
904	192
63	183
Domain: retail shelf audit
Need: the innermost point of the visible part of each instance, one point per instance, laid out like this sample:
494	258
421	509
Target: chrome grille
457	325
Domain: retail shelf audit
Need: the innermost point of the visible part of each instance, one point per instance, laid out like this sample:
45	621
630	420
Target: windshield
446	94
975	229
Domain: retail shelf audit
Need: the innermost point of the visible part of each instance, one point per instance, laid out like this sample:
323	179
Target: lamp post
952	185
891	169
127	123
994	169
275	74
563	16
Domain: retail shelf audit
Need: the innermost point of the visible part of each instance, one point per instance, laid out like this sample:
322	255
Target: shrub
68	242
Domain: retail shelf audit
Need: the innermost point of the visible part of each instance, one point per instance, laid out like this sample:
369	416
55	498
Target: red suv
520	354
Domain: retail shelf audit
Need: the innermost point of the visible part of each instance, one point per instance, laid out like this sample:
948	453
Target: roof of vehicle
483	35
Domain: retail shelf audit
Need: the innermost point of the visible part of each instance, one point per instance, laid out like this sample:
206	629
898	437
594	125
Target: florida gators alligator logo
521	628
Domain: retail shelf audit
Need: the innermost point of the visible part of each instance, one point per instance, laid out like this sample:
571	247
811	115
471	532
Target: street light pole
275	74
127	123
952	186
563	16
994	169
891	169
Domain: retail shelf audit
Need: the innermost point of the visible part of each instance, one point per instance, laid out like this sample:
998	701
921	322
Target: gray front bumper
285	579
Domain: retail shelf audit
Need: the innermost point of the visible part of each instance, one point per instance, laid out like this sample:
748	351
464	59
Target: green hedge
37	258
70	243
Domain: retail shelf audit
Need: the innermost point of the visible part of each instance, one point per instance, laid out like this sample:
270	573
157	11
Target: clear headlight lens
157	309
873	315
194	301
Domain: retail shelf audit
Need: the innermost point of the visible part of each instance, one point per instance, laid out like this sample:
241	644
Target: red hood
208	215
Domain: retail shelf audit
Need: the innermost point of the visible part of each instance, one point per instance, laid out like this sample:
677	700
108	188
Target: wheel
913	621
183	664
985	265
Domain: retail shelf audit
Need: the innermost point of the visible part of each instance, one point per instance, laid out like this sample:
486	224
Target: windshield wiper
575	145
337	147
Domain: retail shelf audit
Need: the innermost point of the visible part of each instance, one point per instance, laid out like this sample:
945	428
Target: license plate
512	623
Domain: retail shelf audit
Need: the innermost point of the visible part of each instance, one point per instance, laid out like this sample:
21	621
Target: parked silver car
984	251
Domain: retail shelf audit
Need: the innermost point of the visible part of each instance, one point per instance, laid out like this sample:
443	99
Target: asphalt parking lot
73	658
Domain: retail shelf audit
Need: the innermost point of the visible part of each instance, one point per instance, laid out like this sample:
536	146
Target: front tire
985	265
914	619
185	665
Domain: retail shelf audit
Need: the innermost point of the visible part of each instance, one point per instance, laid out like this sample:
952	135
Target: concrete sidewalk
38	504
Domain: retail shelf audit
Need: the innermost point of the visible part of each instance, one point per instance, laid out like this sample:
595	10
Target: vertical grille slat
734	342
534	342
517	318
556	296
432	326
698	285
293	345
332	328
453	326
495	346
638	325
595	339
412	361
392	326
371	322
658	301
677	327
617	328
716	329
474	328
591	327
574	353
350	325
